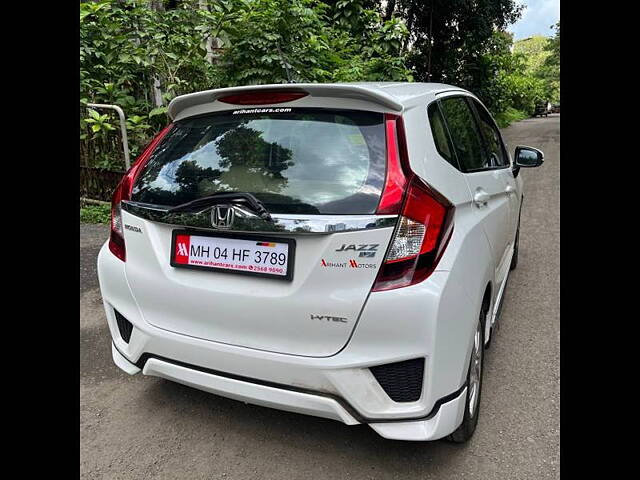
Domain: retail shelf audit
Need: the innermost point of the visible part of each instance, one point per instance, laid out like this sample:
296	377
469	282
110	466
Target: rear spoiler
182	106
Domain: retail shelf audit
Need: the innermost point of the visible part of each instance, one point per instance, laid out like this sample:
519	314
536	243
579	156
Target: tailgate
314	314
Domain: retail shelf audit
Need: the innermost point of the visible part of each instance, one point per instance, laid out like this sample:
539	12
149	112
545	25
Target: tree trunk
157	92
430	42
157	6
391	6
202	4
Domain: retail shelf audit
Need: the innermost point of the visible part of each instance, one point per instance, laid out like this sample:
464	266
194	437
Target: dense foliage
126	48
505	83
95	213
140	54
463	43
541	56
550	69
449	37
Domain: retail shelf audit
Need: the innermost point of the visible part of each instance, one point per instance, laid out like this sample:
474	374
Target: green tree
550	69
553	47
534	50
314	41
542	61
130	53
124	47
502	81
449	37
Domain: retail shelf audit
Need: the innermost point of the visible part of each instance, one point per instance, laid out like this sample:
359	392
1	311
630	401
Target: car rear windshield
313	161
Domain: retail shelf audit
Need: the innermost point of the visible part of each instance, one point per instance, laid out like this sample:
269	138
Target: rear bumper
255	393
340	386
441	423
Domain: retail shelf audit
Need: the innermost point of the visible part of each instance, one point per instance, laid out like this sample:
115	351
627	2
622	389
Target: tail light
262	97
123	192
425	217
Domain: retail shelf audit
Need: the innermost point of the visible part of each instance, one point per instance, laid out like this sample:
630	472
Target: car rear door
501	161
482	174
319	173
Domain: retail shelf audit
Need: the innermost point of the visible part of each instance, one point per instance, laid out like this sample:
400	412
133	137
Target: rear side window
464	134
440	136
491	136
296	161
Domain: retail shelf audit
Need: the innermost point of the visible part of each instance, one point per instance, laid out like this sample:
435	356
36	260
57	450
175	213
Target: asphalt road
148	428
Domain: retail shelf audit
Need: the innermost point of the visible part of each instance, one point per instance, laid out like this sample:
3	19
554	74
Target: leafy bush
137	57
140	58
506	85
523	92
95	214
510	115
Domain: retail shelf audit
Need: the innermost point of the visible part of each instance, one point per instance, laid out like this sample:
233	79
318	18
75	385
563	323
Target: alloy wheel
475	375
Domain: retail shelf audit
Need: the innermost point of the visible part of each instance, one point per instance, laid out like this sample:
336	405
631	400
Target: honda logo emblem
222	216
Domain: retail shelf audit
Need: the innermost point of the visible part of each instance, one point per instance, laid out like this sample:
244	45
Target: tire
472	401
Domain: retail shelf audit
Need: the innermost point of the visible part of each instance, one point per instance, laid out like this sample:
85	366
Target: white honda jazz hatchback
337	250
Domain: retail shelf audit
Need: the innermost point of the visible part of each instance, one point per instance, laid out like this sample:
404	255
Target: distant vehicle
555	108
338	250
542	108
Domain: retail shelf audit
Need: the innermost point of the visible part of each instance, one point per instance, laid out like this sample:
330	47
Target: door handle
480	198
510	189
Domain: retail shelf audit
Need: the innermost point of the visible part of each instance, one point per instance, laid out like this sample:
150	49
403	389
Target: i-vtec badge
367	250
328	318
132	228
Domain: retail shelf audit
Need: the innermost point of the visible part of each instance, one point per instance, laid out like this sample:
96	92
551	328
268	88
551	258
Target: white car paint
266	315
254	340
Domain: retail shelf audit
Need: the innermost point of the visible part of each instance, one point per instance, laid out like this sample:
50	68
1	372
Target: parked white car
338	250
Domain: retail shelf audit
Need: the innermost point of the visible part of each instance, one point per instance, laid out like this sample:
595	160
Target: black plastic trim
401	381
125	327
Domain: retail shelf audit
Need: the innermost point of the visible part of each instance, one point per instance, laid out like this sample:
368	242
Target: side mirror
528	157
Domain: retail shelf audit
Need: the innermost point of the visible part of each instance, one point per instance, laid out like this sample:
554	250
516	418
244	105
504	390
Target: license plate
248	255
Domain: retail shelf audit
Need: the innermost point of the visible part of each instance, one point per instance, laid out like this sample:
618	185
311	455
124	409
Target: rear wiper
243	198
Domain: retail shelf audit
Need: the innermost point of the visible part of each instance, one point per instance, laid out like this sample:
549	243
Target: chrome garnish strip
247	221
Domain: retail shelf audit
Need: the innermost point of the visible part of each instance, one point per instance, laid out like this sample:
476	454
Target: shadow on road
298	434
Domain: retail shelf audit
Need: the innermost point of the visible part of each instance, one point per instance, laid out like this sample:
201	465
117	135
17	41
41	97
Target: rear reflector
262	98
425	217
123	192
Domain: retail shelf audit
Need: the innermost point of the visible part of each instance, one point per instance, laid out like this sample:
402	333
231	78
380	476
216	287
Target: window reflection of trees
305	162
244	159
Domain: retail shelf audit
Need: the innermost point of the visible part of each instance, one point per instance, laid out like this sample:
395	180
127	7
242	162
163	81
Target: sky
537	17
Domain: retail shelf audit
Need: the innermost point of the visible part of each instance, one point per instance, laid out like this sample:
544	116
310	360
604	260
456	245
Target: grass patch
95	214
510	115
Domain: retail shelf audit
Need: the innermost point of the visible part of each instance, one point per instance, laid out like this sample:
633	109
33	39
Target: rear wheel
474	384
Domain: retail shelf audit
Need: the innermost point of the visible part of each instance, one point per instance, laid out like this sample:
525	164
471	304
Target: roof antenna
286	65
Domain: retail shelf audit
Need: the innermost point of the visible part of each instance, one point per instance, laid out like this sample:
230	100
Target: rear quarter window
440	135
465	135
492	137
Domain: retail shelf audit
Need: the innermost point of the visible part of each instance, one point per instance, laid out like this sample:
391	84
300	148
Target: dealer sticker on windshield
260	256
